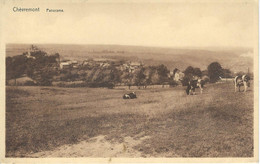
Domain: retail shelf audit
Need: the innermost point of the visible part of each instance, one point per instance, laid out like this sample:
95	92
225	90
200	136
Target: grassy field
161	122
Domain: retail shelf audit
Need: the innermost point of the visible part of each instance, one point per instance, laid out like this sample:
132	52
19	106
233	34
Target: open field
161	122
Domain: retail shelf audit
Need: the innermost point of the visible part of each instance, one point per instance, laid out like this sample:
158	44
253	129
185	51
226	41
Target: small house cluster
44	69
101	63
66	64
130	66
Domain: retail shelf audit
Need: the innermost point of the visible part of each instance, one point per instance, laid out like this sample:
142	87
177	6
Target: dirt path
95	147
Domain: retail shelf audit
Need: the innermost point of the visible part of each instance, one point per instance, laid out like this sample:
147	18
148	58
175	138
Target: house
171	73
123	67
65	65
177	75
74	63
28	55
135	64
30	50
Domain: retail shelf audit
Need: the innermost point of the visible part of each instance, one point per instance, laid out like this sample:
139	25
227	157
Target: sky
169	24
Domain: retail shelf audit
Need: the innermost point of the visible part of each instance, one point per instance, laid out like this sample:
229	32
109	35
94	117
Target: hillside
161	122
235	59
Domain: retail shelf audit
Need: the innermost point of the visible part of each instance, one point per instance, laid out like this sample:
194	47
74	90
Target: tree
214	71
15	67
163	73
186	79
189	70
192	71
151	79
140	77
197	72
188	75
127	78
115	76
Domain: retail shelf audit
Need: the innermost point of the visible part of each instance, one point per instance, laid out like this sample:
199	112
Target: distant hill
235	59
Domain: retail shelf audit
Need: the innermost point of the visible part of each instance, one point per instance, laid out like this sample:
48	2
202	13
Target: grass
218	123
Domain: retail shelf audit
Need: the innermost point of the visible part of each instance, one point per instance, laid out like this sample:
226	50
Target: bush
101	84
173	83
29	83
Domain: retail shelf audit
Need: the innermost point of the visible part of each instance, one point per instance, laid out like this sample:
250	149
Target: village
91	70
36	67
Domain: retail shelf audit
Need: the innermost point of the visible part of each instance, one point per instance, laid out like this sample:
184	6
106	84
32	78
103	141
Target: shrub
173	83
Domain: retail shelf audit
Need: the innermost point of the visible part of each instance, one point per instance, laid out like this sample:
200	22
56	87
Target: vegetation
218	123
45	70
166	122
191	73
215	71
38	65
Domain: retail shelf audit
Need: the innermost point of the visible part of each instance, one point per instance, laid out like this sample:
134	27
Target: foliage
192	71
189	70
186	79
214	72
163	73
44	69
38	66
173	83
101	84
114	76
197	72
152	75
189	74
140	78
15	66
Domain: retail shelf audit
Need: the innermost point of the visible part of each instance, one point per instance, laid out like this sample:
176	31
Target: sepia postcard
129	81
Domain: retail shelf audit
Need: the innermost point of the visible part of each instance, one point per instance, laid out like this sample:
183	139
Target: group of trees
213	73
189	74
111	76
39	66
149	75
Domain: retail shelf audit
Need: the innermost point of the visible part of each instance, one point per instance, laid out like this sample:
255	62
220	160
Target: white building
64	65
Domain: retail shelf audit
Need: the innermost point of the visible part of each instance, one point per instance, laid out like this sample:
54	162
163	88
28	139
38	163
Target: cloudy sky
175	24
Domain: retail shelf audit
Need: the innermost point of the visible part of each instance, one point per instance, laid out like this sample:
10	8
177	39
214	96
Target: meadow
97	122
